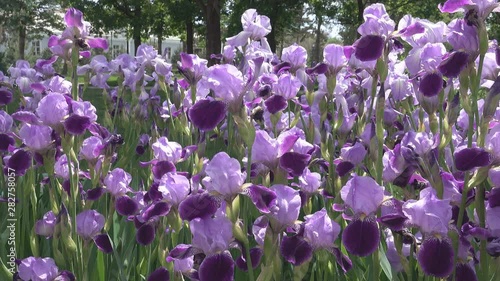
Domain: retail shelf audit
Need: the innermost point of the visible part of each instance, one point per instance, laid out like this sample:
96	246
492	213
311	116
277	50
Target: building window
115	51
36	48
168	52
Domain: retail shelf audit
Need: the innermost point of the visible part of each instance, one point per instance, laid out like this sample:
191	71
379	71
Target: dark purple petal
199	205
153	193
160	274
20	161
369	47
403	179
103	243
361	237
454	64
320	68
342	260
395	222
343	168
436	257
76	124
497	55
464	272
65	276
431	84
494	197
162	167
126	206
5	96
95	193
5	141
262	197
493	248
181	251
295	250
294	162
275	103
470	158
218	267
282	67
255	256
159	209
206	114
98	43
145	234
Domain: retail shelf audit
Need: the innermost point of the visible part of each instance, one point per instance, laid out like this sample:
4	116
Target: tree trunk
361	8
189	36
317	53
160	39
271	37
22	41
137	28
213	30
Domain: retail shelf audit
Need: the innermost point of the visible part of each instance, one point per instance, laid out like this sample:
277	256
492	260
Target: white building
117	43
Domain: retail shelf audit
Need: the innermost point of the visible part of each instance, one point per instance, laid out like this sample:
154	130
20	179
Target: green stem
74	76
249	262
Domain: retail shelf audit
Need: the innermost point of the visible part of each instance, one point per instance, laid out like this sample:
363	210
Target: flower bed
380	163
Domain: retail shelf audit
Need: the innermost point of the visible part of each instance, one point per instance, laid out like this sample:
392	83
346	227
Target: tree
183	14
324	12
212	14
29	19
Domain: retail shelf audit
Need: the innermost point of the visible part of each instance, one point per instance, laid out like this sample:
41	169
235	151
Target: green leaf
384	263
101	271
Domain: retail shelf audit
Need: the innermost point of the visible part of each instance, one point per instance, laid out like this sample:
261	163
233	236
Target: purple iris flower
165	150
6	122
309	182
5	96
334	57
52	109
38	269
482	7
117	182
226	81
363	196
287	86
224	175
255	27
192	67
492	143
320	230
493	219
78	29
91	148
212	237
494	175
174	188
287	209
267	150
432	216
45	226
61	168
36	137
89	223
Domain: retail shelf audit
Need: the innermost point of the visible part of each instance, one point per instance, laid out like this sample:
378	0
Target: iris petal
218	267
296	250
361	237
436	257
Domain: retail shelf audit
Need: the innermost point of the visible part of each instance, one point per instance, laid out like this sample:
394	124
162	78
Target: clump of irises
382	162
